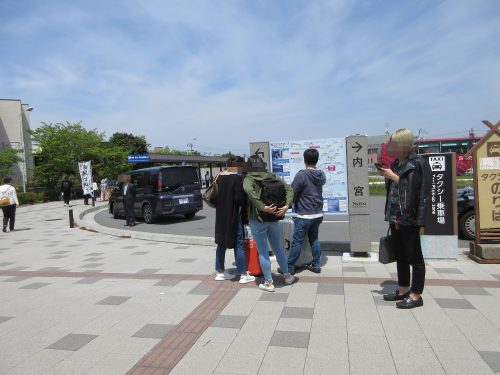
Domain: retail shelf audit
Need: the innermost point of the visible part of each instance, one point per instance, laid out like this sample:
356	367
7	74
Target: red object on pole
252	257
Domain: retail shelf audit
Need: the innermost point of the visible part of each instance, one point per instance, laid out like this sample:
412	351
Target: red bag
252	257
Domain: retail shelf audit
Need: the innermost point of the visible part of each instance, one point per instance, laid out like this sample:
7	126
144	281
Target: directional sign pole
359	194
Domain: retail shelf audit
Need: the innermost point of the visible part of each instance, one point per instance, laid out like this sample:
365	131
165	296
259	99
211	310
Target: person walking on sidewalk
408	183
9	195
230	216
129	201
308	202
263	218
66	190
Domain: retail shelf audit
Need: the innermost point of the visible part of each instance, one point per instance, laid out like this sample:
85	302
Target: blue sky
230	72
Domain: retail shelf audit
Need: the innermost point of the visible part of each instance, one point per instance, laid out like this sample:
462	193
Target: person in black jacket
129	193
408	183
66	190
230	217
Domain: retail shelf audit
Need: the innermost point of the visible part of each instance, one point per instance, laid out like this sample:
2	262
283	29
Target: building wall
13	119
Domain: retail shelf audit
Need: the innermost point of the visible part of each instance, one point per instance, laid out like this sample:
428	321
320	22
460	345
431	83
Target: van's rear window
172	178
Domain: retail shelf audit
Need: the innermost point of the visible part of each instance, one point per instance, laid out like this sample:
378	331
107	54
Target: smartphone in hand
380	166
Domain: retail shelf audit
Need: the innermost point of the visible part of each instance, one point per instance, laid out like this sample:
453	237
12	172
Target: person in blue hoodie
308	202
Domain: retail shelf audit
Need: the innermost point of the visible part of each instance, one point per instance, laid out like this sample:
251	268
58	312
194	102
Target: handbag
210	195
5	201
386	253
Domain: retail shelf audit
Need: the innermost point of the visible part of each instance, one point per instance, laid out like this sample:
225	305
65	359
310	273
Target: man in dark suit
128	201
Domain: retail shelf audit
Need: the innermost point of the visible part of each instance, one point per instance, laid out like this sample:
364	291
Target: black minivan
161	191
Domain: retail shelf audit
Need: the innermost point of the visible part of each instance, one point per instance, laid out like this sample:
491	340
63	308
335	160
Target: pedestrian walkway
78	302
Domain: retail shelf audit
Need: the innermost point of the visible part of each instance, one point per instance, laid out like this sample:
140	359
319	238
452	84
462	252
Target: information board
287	159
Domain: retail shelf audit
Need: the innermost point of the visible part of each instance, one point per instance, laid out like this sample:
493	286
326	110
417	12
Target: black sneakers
409	303
395	296
311	268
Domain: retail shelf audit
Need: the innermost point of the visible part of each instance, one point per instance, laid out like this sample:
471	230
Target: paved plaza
80	302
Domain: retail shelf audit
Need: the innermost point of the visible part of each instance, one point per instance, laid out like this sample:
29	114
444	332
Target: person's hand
388	173
282	211
17	205
270	209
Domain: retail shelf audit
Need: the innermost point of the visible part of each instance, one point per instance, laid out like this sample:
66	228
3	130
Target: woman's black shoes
395	296
410	303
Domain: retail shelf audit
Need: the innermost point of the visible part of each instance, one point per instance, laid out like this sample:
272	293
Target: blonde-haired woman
408	190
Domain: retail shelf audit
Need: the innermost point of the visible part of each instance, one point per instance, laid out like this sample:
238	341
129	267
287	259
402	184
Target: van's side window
138	180
151	181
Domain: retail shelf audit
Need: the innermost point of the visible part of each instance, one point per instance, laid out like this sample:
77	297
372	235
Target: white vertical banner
86	176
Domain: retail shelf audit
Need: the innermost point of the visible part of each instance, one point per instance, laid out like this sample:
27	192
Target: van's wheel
116	215
147	213
190	216
467	225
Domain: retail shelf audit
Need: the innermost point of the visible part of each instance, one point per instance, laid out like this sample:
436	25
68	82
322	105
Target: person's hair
235	161
311	156
7	180
403	138
256	164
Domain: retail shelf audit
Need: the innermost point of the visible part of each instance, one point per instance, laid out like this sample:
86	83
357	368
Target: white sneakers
245	279
267	286
289	280
221	276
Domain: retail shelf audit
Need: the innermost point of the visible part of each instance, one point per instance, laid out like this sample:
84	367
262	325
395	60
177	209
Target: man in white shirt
7	191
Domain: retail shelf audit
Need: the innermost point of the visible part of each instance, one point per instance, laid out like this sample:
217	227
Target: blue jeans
303	227
261	233
239	255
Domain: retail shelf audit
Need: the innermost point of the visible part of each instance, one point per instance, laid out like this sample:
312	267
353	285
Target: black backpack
66	185
272	192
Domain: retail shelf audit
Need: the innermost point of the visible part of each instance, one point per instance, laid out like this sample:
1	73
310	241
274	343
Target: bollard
93	201
71	220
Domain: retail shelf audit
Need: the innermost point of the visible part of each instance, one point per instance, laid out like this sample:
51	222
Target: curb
89	224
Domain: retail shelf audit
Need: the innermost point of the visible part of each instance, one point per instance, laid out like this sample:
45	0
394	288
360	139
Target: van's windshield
173	178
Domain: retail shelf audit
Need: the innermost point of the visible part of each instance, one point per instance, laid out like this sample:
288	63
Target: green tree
62	146
8	157
132	143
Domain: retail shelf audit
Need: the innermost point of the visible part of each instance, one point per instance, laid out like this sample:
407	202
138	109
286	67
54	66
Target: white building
14	133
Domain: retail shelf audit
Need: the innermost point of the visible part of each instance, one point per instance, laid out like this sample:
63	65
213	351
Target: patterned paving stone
186	260
229	321
492	359
61	252
3	264
140	253
88	280
148	271
290	339
129	247
154	331
20	268
451	271
57	257
275	297
454	303
72	342
93	259
17	279
496	277
353	269
330	289
52	269
202	289
472	291
297	312
95	254
113	300
3	319
167	282
35	286
92	265
181	247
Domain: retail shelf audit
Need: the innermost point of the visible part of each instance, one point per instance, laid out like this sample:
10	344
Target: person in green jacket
263	231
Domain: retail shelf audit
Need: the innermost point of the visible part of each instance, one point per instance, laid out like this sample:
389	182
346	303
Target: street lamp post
23	165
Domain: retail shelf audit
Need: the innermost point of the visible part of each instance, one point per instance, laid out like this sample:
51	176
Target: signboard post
358	188
261	149
486	161
139	158
440	239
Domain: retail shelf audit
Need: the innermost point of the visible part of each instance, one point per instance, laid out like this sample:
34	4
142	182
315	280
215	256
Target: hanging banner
287	159
85	169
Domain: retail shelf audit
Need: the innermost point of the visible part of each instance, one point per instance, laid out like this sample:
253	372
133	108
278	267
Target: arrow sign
357	146
258	152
